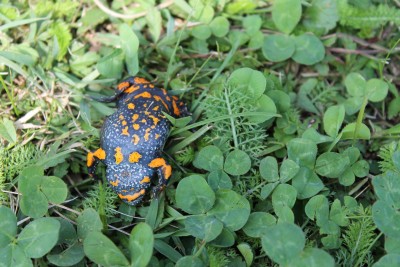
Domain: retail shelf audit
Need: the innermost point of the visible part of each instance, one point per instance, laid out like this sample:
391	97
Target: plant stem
361	258
198	71
228	104
255	188
102	211
381	65
337	139
231	53
360	118
203	243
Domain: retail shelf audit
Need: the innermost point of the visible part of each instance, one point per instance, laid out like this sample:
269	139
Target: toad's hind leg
92	159
164	171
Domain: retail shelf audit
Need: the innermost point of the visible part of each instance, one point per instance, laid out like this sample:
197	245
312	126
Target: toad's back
137	126
132	138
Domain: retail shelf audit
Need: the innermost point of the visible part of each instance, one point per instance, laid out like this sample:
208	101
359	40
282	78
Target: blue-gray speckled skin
133	137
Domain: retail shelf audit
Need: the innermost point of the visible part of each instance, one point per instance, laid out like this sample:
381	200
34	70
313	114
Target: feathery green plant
357	239
185	156
386	154
17	158
95	199
290	121
217	257
238	132
367	18
57	9
14	160
60	30
249	185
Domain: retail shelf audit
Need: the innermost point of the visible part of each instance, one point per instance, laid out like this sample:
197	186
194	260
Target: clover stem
360	118
203	243
386	60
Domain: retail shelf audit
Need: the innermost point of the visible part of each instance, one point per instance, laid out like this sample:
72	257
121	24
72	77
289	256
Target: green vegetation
291	158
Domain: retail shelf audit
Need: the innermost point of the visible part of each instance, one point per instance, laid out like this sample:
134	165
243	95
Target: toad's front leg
164	171
93	158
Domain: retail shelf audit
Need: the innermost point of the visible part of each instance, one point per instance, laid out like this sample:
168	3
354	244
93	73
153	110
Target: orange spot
121	117
131	89
131	106
144	94
114	183
124	123
168	98
89	159
136	126
125	131
155	119
151	85
156	108
176	109
164	91
134	157
160	162
119	157
146	179
133	196
123	85
175	98
167	171
157	162
157	98
157	136
135	117
145	105
135	139
140	80
147	133
143	121
100	153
